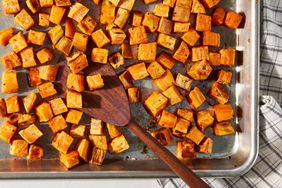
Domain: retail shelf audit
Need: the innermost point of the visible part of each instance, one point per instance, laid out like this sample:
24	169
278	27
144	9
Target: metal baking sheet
232	155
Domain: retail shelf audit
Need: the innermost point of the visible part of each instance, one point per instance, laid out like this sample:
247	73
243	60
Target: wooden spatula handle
187	175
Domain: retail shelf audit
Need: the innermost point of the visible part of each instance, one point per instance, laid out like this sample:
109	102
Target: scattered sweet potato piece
180	27
126	4
113	131
27	56
155	70
218	16
195	135
55	34
63	3
44	112
45	55
150	22
48	72
24	20
78	130
69	28
162	135
227	57
35	152
34	78
5	36
205	146
95	81
203	22
166	60
121	18
99	141
204	119
47	90
87	25
46	3
74	99
161	10
183	82
182	125
165	81
169	3
182	53
116	35
136	18
9	82
99	55
78	11
185	150
181	14
223	128
210	3
233	19
3	110
75	82
173	95
64	45
30	134
97	156
198	7
219	93
166	41
196	98
96	127
200	53
116	60
58	106
43	19
62	141
36	37
77	62
138	71
223	112
186	114
118	145
12	104
155	103
33	5
11	6
147	51
126	79
168	119
11	61
19	148
137	35
7	131
191	37
18	42
107	13
99	38
133	94
214	58
165	26
83	148
70	159
200	70
211	39
74	116
224	77
29	101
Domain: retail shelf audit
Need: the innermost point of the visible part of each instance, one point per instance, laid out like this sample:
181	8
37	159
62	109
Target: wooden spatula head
110	103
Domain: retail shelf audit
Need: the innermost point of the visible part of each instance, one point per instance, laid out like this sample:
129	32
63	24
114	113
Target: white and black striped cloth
267	172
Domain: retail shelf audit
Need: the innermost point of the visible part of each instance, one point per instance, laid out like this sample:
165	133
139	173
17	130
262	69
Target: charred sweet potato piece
78	130
155	103
136	19
173	95
107	15
19	148
11	61
9	82
185	150
195	135
3	110
196	98
58	106
218	16
118	145
64	45
87	25
182	126
99	38
44	112
205	146
34	78
165	26
77	62
33	5
74	116
116	35
223	112
11	6
69	28
99	141
29	101
35	152
138	71
70	159
122	16
62	142
97	156
233	19
126	79
200	70
55	34
182	53
219	93
7	131
168	119
5	36
223	128
116	60
162	135
30	134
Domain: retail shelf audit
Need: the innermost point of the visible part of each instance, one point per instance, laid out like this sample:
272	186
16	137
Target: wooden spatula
110	104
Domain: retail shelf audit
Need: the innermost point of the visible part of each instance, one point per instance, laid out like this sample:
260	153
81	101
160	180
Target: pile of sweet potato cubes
72	30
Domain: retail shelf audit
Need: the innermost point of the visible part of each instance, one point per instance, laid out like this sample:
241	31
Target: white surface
83	183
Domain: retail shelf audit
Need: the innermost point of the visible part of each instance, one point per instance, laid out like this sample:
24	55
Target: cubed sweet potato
185	113
62	3
46	3
74	116
11	6
173	95
182	126
126	79
24	20
168	119
58	106
7	131
99	141
116	60
196	98
166	60
45	55
138	71
218	16
133	94
203	22
210	3
29	101
161	10
62	141
214	58
122	16
97	156
198	7
64	45
48	72
162	135
227	57
83	148
75	82
19	148
36	37
211	39
182	53
18	42
80	41
9	82
116	35
107	13
95	81
195	135
118	145
185	150
31	134
223	128
6	35
55	34
136	19
47	90
100	38
77	62
44	112
180	27
137	35
78	11
126	4
27	56
70	159
191	37
150	22
181	14
69	28
78	130
184	3
113	131
33	5
165	26
25	119
33	75
35	152
200	53
96	127
166	41
200	70
147	51
183	82
233	19
223	112
87	25
74	99
43	19
155	70
224	77
99	55
219	93
165	81
169	3
11	61
204	119
12	104
155	103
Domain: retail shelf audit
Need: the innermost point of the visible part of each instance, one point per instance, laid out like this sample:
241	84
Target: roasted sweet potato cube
165	26
198	7
25	119
214	58
78	11
185	150
47	90
64	45
169	3
224	77
166	60
62	3
18	42
70	159
166	41
118	145
122	16
97	156
227	57
200	53
33	75
211	39
223	128
99	141
74	99
138	71
75	82
162	135
80	41
19	148
78	130
99	55
55	34
46	3
182	53
100	38
12	104
223	112
185	113
33	5
5	36
184	3
233	19
136	18
116	60
210	3
168	119
11	6
77	62
9	82
147	51
36	37
24	20
43	19
62	141
31	134
96	127
195	135
45	55
196	98
161	10
183	82
133	94
181	14
3	110
191	37
74	116
95	81
218	16
165	81
27	56
113	130
137	35
204	119
11	61
29	101
182	125
180	27
83	148
155	70
35	152
203	22
87	25
48	72
116	35
200	70
173	95
69	28
44	112
155	103
205	146
7	131
219	93
107	15
126	4
58	106
126	79
150	22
